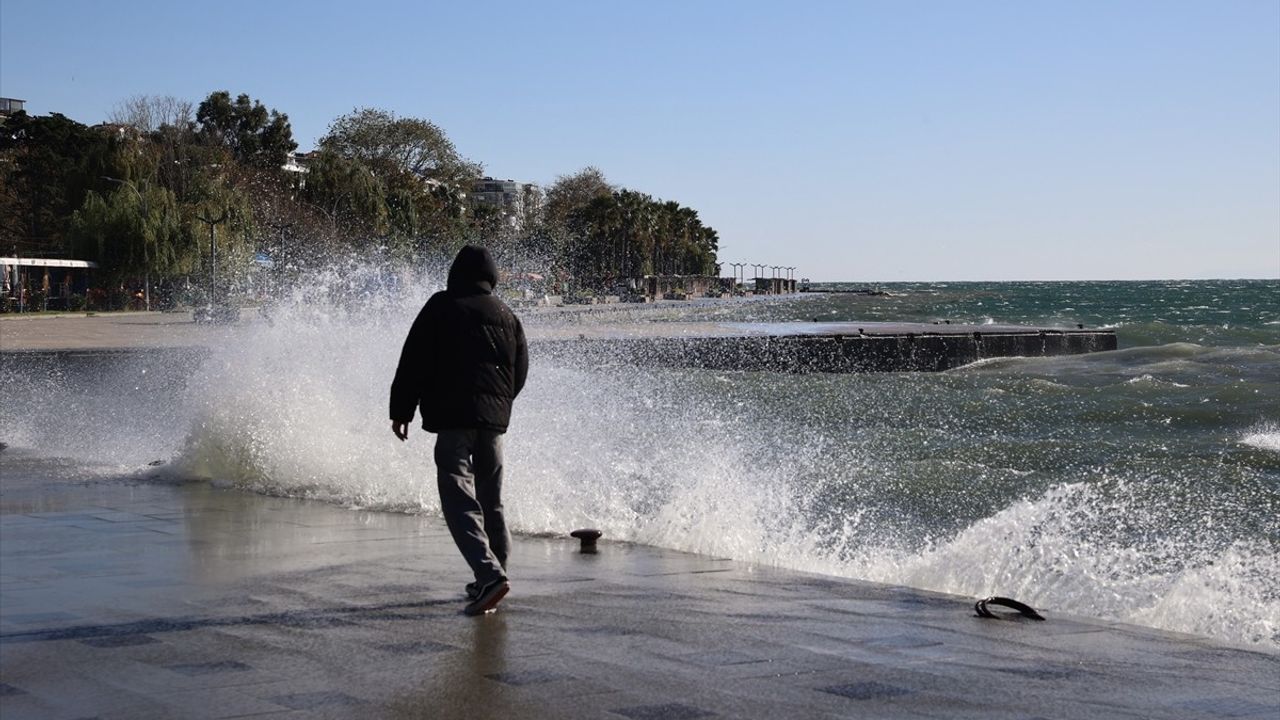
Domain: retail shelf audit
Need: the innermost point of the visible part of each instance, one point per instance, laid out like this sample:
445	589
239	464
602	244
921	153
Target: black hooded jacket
466	358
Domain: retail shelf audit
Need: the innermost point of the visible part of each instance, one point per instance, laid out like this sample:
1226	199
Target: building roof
47	262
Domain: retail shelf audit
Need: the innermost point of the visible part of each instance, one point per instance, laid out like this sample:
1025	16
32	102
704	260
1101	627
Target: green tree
398	179
627	234
50	164
557	237
350	195
226	246
133	234
401	149
572	192
254	135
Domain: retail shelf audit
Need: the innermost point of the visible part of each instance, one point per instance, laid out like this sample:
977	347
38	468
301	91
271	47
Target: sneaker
490	596
473	590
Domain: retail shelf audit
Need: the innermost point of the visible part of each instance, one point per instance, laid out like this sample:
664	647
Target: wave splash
1265	436
298	405
657	457
1058	551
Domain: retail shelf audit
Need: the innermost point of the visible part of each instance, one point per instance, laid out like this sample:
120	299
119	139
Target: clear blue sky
867	140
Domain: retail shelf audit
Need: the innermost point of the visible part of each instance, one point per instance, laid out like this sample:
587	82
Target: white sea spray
1264	436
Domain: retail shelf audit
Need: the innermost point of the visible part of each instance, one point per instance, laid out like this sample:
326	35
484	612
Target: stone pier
817	347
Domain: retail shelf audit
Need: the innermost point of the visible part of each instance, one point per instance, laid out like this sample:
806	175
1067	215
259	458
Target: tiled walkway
151	601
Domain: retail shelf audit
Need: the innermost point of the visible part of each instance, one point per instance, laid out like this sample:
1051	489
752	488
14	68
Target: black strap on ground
1023	609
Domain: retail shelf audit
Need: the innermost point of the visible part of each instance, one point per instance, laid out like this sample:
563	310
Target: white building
513	199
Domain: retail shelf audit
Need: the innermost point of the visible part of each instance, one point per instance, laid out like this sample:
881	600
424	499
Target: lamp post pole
280	228
146	247
18	287
213	253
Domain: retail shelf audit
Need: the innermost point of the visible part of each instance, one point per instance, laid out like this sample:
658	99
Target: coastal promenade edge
155	600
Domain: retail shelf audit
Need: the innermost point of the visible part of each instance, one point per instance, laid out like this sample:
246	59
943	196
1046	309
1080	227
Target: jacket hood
473	270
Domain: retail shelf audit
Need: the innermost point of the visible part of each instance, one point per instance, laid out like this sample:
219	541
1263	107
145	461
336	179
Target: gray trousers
469	476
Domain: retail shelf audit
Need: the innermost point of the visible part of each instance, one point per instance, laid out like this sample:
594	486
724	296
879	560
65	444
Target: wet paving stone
40	618
605	631
148	583
1043	672
59	517
417	647
312	621
528	677
113	641
721	658
903	641
316	700
866	690
668	711
1235	707
209	668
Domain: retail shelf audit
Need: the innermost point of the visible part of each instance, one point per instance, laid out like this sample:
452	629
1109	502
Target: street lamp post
146	249
213	254
280	228
19	287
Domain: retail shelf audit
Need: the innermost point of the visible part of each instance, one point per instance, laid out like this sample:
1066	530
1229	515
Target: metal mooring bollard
588	536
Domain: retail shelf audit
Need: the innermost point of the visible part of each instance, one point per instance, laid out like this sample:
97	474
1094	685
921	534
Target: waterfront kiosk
41	283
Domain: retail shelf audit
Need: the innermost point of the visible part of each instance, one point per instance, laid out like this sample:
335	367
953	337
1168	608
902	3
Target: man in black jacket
463	363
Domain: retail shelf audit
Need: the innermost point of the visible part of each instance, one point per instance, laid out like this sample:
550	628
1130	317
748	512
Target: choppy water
1140	485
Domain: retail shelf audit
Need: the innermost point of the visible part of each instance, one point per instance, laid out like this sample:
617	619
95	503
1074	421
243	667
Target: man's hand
401	429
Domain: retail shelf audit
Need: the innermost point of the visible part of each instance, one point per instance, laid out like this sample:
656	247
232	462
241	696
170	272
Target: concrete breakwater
779	347
817	347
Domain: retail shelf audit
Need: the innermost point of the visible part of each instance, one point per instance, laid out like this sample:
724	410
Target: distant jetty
806	286
857	291
782	347
815	347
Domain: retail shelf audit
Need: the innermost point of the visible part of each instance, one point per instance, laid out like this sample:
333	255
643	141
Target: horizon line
1080	280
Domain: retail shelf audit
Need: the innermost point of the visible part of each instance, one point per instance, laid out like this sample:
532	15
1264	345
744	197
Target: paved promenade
138	330
147	600
108	331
